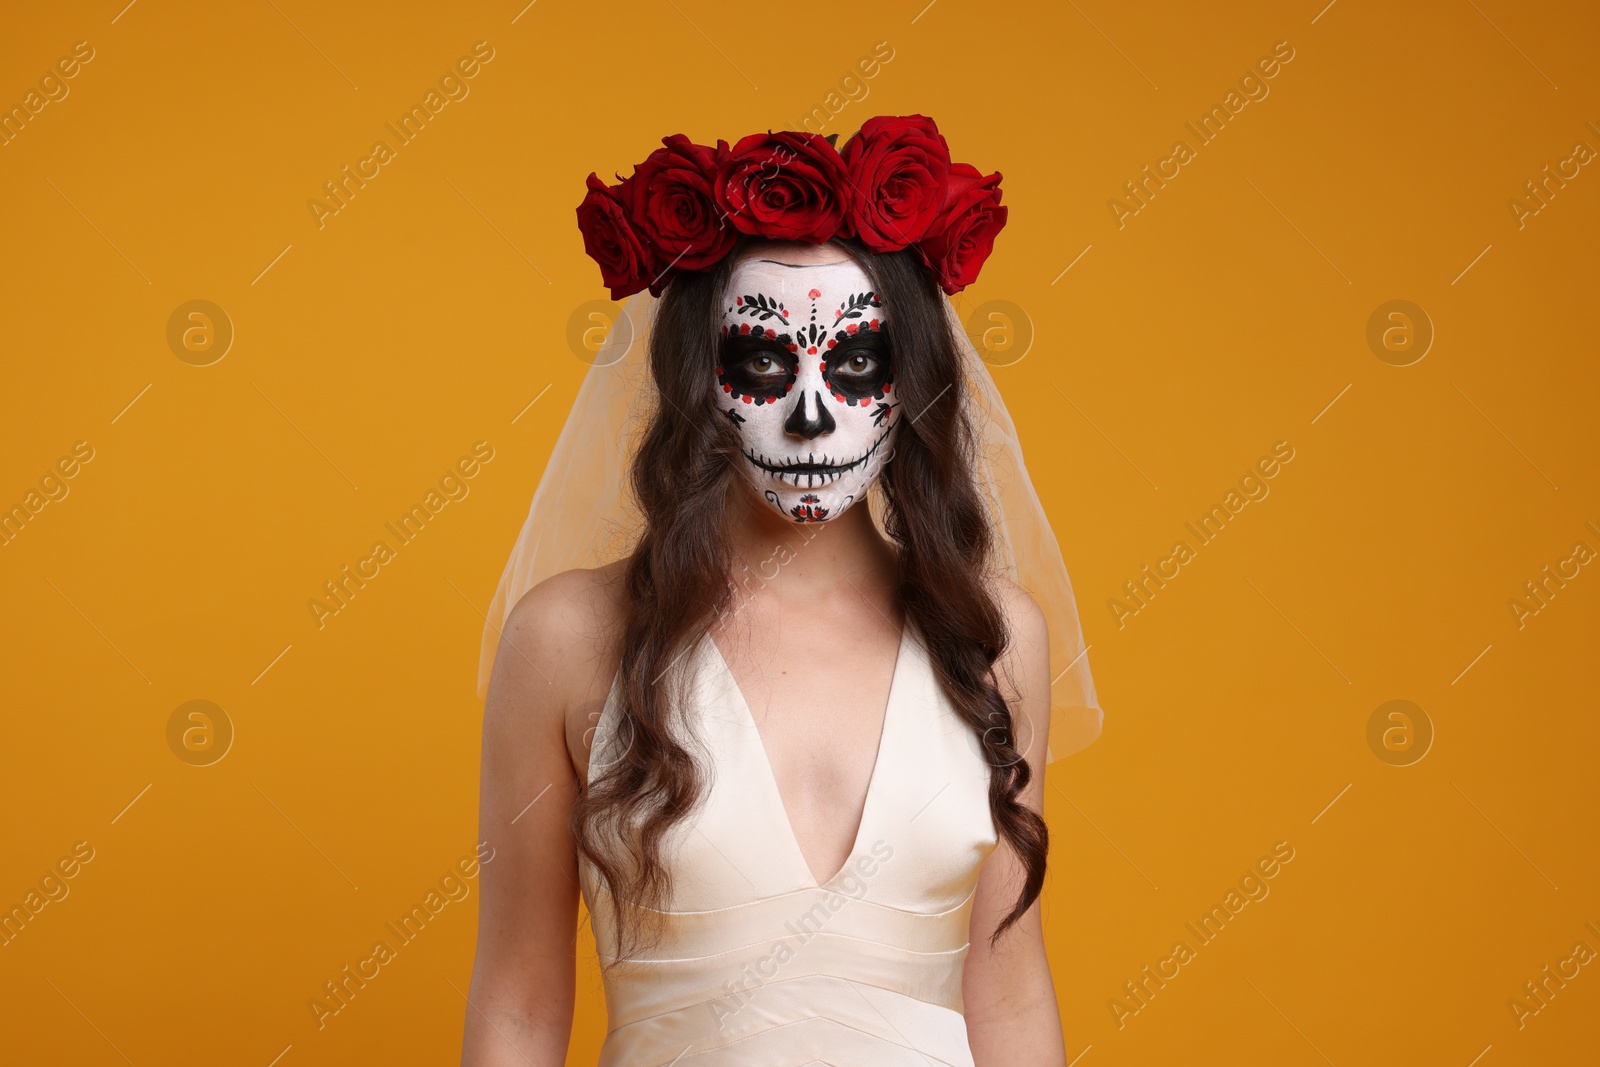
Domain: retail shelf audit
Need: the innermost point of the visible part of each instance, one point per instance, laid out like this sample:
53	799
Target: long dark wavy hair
678	577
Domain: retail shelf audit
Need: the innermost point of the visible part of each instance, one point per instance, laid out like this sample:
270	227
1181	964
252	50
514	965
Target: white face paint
805	377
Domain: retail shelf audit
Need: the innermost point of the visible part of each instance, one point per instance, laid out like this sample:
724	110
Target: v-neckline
895	684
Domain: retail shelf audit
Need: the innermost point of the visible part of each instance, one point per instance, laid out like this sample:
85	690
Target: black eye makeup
756	367
859	367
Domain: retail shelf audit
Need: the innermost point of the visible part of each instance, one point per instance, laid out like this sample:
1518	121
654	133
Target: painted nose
810	426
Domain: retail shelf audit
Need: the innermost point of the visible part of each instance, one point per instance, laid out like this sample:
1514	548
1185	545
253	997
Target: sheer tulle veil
583	516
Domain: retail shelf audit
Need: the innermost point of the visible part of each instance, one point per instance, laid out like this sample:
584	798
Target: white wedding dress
758	965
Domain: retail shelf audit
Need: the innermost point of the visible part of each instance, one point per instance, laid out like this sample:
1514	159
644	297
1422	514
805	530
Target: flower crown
891	187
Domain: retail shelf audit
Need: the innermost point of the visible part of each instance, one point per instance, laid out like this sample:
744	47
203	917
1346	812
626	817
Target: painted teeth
811	479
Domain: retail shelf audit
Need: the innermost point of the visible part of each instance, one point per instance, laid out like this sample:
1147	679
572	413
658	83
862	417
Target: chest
918	795
818	697
921	823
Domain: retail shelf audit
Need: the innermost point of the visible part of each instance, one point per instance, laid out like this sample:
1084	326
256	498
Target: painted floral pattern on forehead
893	186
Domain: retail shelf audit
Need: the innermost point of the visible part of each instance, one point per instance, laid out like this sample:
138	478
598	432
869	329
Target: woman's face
805	376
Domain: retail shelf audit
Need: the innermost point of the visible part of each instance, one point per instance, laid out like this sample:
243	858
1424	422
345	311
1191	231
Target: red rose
898	168
670	202
626	261
790	186
962	237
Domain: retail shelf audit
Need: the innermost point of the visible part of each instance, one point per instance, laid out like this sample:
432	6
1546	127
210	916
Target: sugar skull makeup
805	376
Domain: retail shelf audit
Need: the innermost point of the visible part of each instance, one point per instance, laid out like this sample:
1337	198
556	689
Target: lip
809	474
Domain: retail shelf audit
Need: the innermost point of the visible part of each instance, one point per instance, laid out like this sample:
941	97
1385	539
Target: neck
781	562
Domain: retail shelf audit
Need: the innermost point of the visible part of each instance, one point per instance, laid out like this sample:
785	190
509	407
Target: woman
789	751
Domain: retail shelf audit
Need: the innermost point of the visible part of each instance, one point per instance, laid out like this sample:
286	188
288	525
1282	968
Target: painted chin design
810	473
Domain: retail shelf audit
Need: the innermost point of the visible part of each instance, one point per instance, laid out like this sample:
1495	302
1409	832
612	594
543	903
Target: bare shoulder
570	617
1025	621
560	647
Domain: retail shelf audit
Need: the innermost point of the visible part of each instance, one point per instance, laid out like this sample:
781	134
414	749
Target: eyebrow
829	263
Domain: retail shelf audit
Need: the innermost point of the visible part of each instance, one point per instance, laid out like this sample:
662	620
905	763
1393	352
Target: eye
756	368
860	367
764	365
858	364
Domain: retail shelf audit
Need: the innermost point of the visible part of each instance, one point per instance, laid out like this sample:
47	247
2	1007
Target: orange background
1225	316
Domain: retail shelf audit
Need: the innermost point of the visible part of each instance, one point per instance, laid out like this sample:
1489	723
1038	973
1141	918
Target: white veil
583	514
